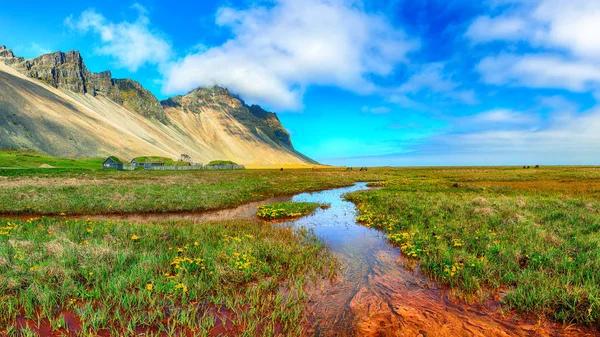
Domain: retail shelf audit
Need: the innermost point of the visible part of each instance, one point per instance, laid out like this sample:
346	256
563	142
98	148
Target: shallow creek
374	294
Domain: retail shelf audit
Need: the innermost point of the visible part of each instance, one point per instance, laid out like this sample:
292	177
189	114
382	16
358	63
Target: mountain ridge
219	119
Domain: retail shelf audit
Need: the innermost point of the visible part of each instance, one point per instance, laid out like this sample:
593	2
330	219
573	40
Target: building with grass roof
112	162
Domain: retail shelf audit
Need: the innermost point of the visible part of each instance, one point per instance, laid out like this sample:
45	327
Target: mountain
53	104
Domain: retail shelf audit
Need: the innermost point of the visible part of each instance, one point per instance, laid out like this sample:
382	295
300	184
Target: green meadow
528	239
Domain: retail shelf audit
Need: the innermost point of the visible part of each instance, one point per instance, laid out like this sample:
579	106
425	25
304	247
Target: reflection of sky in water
337	226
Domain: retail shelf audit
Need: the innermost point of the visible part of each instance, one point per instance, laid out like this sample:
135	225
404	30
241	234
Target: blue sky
398	82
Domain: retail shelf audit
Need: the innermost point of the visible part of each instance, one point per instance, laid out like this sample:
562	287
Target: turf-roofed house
112	162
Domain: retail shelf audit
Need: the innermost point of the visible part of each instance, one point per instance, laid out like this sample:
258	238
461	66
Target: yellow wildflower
182	286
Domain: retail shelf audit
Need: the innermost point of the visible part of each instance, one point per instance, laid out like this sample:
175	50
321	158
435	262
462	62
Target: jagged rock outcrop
6	52
133	96
254	117
274	124
60	70
68	71
7	56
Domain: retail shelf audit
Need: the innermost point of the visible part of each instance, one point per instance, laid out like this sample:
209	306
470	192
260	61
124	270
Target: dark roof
115	159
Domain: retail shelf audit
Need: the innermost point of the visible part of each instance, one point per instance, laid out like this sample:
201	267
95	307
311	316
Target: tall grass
165	277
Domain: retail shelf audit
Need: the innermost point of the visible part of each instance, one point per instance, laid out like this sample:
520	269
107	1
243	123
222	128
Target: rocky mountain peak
4	52
68	71
218	98
209	91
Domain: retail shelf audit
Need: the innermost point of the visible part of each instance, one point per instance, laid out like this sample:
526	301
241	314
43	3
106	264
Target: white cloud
563	44
485	29
432	79
572	140
502	117
571	26
540	71
558	103
566	141
277	51
132	44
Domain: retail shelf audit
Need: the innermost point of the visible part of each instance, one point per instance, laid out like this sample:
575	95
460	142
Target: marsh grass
156	191
487	233
163	278
287	210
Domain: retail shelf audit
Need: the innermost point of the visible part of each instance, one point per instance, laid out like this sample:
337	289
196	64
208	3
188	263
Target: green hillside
21	159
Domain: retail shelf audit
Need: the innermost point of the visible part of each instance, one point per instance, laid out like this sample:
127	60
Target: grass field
149	191
80	190
529	238
157	278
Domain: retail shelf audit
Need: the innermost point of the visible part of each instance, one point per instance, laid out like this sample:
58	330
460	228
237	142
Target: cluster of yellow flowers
365	216
270	212
457	242
182	262
242	261
182	286
228	238
8	229
368	218
451	270
20	254
406	246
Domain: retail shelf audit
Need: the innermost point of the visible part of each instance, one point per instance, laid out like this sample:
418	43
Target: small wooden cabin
112	162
